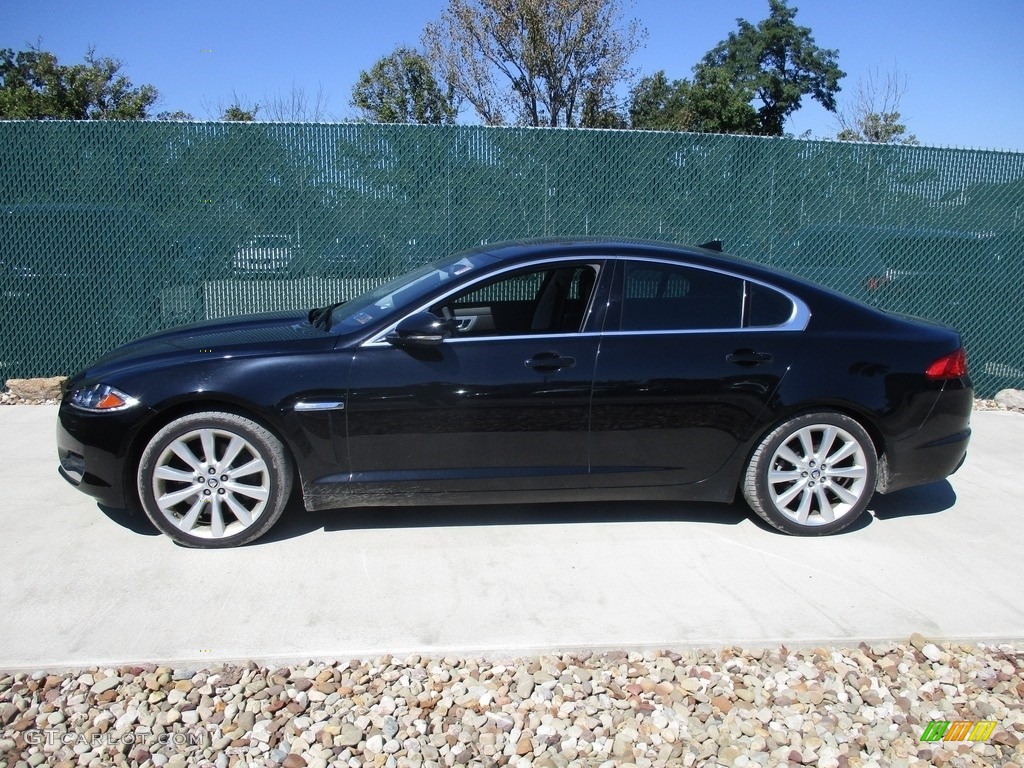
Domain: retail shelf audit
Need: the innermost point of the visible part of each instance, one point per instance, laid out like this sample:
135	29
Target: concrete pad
83	585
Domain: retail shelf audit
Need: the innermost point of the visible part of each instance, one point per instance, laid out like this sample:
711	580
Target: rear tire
812	475
212	480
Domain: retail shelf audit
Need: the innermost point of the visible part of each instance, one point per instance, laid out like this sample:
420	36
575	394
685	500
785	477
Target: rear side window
669	297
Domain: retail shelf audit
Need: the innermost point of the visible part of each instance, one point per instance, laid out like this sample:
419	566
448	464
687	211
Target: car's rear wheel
812	475
214	480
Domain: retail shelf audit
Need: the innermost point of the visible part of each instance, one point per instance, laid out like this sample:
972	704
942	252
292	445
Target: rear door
689	358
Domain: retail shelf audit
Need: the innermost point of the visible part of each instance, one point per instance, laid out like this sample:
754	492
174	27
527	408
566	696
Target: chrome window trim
378	339
692	331
797	321
524	336
745	304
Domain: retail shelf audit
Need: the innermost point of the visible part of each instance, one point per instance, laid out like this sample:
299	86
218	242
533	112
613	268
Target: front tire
213	480
812	475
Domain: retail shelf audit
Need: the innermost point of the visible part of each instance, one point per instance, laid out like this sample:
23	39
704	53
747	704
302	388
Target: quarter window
767	307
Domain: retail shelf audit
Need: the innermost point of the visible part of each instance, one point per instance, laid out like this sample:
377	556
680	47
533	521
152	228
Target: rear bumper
937	449
923	464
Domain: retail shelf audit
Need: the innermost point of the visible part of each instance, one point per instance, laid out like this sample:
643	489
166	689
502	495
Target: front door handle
749	357
546	362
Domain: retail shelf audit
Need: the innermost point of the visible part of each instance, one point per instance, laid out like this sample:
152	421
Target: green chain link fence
112	230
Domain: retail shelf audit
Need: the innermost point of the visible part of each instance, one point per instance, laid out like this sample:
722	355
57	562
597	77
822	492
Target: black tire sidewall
271	451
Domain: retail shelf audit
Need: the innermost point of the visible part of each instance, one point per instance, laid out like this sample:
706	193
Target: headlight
101	397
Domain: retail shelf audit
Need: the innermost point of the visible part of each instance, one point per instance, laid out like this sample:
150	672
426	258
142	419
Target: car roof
516	250
512	251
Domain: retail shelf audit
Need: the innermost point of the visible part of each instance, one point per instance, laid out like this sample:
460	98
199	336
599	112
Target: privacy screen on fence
110	230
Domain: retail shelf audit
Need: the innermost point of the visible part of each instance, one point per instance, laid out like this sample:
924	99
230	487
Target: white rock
350	735
261	731
1011	398
105	684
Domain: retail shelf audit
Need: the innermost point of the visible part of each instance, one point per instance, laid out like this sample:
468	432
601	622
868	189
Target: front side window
550	299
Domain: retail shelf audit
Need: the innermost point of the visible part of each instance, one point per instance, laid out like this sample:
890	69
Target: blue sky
963	61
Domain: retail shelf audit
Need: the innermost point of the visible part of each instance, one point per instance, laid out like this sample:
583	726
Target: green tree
600	111
716	103
879	128
534	62
716	106
237	113
237	108
659	104
176	115
35	86
401	88
769	67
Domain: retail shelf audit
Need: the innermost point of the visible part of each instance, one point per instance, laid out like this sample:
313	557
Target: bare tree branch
873	114
297	106
533	62
236	107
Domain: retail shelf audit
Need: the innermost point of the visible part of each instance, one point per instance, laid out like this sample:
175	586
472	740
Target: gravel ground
825	707
7	398
992	405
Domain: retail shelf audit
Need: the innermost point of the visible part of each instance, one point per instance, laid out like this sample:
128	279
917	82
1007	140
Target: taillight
951	366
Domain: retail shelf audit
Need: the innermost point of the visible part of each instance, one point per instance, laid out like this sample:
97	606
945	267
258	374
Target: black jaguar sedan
527	371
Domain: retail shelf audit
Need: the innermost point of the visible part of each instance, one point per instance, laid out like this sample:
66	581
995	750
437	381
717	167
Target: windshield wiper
321	316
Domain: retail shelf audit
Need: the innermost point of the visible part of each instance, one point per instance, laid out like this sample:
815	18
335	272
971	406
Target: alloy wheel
818	474
211	483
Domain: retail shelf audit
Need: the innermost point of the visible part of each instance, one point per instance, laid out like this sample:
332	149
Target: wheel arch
822	507
206	404
862	416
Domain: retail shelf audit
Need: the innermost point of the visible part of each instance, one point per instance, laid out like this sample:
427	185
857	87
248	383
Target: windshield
404	290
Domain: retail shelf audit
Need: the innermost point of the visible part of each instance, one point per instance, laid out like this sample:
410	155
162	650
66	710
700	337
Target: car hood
221	338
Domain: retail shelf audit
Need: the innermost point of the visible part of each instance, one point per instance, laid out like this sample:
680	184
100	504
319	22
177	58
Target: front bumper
92	450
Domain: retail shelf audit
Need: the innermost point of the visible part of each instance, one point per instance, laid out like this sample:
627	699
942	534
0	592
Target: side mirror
424	329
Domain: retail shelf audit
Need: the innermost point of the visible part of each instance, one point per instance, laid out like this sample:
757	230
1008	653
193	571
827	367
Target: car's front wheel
812	475
214	480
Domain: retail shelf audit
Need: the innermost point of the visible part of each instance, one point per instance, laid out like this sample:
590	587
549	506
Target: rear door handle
545	362
749	357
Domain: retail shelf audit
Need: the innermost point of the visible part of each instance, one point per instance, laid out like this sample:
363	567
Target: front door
504	403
